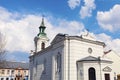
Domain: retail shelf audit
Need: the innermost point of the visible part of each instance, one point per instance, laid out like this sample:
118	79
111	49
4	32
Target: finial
42	23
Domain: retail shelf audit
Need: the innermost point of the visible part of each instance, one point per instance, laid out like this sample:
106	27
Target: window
90	50
12	72
2	78
92	74
58	62
18	72
7	78
43	45
8	71
107	76
11	79
25	72
3	71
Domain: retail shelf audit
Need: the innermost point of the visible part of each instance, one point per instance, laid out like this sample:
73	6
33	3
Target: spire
42	23
42	28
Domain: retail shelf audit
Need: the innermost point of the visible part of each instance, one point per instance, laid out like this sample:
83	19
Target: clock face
90	50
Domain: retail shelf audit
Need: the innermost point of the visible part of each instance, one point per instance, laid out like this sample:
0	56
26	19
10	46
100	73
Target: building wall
39	72
37	63
116	62
71	51
77	51
8	74
98	69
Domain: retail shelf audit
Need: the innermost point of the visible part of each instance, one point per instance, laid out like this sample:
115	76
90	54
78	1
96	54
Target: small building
69	58
115	57
14	71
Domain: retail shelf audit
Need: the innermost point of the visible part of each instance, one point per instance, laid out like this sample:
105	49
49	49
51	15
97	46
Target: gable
107	69
88	58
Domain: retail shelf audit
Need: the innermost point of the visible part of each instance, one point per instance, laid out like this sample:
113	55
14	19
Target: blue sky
20	19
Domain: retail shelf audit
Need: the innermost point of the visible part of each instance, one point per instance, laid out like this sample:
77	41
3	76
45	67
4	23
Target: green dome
42	29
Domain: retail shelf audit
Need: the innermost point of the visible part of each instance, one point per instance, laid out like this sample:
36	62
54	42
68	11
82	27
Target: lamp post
115	76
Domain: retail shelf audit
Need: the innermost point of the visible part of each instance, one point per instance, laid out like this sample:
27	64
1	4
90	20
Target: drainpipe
68	58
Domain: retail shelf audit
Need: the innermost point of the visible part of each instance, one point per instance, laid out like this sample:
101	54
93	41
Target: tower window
43	45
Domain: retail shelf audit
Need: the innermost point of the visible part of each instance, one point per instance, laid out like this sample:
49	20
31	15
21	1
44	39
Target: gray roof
91	58
61	37
14	65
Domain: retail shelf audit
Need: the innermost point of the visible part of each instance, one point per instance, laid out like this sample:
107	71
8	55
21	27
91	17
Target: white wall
116	61
79	50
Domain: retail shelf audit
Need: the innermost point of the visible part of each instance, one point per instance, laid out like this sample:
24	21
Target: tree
2	50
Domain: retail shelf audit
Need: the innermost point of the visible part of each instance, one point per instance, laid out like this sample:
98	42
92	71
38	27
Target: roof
62	37
15	65
91	58
59	37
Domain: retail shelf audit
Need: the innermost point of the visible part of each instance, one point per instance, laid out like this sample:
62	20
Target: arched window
11	78
7	78
2	78
58	62
42	45
92	74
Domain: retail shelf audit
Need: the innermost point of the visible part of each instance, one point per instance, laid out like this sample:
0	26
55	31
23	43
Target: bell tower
41	40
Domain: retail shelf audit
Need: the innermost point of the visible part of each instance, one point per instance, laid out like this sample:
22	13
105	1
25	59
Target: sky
20	21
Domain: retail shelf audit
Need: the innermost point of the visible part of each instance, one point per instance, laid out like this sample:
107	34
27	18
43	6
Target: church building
69	58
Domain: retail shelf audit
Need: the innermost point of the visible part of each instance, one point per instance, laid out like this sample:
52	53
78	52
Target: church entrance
92	74
107	76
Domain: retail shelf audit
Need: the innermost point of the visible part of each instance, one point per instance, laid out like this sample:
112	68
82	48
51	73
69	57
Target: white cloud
86	10
73	3
4	14
103	37
113	44
109	20
20	29
63	26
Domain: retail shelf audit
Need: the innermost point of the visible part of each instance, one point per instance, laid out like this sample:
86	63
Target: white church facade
69	58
